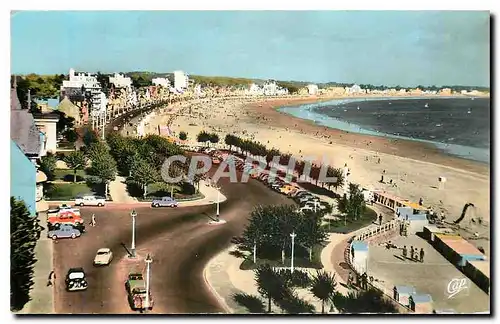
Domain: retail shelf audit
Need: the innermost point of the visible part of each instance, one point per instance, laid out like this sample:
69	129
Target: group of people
414	256
361	281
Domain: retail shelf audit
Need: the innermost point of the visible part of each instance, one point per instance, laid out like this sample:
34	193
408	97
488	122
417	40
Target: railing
375	231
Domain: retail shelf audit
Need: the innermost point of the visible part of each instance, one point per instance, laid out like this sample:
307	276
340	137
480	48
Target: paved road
180	241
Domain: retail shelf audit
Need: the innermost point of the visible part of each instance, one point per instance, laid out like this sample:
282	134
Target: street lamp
218	202
148	270
293	246
133	214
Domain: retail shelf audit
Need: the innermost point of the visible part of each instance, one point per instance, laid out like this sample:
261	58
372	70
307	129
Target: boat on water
426	105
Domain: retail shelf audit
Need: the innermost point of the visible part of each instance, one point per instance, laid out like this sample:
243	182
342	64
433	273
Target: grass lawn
301	261
67	175
162	189
65	191
338	226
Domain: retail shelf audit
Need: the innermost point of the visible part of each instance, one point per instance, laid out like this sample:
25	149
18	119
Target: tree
24	233
183	135
353	204
48	165
323	287
71	135
231	141
104	168
213	138
143	174
310	232
89	136
269	284
337	173
364	301
75	161
65	122
203	137
252	303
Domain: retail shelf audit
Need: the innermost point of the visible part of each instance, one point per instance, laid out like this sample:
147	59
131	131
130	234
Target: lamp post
255	251
293	246
133	214
218	202
148	270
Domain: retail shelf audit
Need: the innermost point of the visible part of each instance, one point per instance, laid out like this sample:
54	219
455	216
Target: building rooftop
459	245
421	298
359	245
405	289
23	130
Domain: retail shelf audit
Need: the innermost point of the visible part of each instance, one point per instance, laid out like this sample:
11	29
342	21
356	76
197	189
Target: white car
90	201
306	208
103	257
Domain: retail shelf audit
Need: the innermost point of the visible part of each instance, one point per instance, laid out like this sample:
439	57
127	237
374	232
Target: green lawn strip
298	261
67	175
338	226
65	191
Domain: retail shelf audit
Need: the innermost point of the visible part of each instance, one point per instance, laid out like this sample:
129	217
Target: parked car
79	226
302	193
90	200
318	205
64	231
62	208
306	208
103	257
164	202
65	217
76	280
305	199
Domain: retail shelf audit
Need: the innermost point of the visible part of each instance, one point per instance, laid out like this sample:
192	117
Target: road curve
179	240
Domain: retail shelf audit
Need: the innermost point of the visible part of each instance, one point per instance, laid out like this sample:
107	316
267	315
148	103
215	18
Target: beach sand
415	167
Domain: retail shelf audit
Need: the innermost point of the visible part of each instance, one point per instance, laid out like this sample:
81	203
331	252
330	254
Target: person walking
422	255
412	252
405	252
92	221
380	219
349	279
52	276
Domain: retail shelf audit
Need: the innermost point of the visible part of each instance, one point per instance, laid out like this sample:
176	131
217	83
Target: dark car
76	280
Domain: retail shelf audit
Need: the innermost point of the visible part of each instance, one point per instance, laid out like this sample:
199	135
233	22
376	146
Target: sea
457	126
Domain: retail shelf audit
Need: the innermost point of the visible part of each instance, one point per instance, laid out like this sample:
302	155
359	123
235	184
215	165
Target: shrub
183	136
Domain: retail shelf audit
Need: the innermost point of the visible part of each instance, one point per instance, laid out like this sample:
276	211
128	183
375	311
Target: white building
121	81
82	82
254	90
181	80
312	89
132	98
164	82
355	89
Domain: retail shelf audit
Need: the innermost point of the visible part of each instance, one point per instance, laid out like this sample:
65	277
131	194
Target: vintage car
64	231
136	292
90	200
164	202
75	279
65	217
103	257
62	209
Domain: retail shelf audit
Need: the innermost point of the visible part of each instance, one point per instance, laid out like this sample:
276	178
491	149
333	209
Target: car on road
164	202
76	280
64	231
307	208
136	292
90	200
103	257
65	217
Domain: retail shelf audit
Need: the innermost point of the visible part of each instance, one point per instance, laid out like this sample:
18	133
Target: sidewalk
42	297
118	191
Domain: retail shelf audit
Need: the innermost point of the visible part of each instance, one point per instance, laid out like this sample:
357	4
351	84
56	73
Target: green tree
231	141
364	301
48	165
24	233
71	135
182	136
143	174
323	287
310	232
213	138
104	168
252	303
353	204
75	161
203	137
90	136
337	173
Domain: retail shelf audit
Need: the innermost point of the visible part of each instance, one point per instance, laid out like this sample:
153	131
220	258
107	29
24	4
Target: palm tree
269	284
323	287
364	301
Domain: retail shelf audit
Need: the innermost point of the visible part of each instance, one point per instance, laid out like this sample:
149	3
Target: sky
406	48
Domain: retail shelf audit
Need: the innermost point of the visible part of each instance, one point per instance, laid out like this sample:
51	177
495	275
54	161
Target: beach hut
430	232
479	272
421	303
416	219
457	250
402	294
359	256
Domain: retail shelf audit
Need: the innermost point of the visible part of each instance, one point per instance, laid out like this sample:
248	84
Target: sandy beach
415	167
